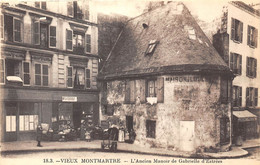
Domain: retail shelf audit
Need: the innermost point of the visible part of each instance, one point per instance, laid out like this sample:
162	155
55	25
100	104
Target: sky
206	10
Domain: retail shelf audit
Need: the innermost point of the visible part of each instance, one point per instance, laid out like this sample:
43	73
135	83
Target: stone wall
186	98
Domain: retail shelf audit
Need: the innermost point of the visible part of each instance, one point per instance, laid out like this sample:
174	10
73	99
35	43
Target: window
252	34
192	34
2	71
224	130
236	30
251	97
52	36
87	78
225	86
236	63
70	8
41	5
41	34
251	67
1	26
78	42
150	128
28	122
79	77
237	96
10	123
13	29
130	91
78	9
68	39
41	75
151	88
26	73
151	47
69	77
13	67
88	43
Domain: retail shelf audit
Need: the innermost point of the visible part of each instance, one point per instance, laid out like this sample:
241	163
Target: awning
244	116
14	79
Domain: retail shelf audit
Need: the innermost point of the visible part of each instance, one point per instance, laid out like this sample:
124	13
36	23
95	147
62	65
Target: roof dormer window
151	47
191	32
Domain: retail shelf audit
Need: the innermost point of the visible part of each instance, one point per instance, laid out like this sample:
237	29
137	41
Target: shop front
59	112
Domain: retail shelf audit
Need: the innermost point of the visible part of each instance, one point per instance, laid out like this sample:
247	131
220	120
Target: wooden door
187	135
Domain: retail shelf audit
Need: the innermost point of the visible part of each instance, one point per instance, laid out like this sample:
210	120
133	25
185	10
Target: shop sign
69	99
185	79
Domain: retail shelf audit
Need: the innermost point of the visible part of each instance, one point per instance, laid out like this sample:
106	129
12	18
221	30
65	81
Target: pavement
95	145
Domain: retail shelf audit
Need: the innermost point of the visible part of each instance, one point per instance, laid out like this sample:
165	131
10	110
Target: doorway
187	135
129	123
11	122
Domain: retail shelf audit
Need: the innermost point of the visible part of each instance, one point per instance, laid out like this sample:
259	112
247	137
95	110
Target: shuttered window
88	43
236	63
252	34
236	30
2	71
68	39
151	88
52	36
87	78
26	73
150	128
251	67
45	75
41	75
160	89
36	33
237	96
130	91
38	74
69	77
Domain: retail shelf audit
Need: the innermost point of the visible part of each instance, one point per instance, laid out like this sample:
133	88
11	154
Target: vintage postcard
129	82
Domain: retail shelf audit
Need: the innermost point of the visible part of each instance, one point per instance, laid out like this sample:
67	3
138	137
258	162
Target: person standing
39	135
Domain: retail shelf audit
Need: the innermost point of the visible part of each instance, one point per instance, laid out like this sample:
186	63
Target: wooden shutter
132	91
69	77
241	32
45	75
255	67
36	33
232	28
52	36
26	73
142	91
38	74
127	92
88	43
2	71
247	97
1	26
87	78
248	35
17	30
240	96
256	97
232	61
68	39
240	64
160	89
247	66
255	37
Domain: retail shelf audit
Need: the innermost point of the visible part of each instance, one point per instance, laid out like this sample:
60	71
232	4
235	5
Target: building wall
243	49
197	101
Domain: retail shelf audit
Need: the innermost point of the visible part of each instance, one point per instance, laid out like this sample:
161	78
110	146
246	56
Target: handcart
109	139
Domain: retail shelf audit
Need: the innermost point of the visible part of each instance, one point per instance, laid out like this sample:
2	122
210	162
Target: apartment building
238	43
49	63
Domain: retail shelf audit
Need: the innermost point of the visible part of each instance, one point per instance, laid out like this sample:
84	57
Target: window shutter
1	26
52	36
160	89
240	64
256	97
240	96
248	35
231	61
255	68
241	32
255	37
69	77
38	74
132	91
26	73
68	39
36	33
142	91
17	30
2	71
247	97
87	78
247	66
88	43
127	92
232	29
45	75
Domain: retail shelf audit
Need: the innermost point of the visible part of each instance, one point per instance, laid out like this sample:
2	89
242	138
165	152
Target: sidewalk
30	146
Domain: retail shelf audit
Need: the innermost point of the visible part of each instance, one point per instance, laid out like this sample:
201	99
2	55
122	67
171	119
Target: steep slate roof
175	53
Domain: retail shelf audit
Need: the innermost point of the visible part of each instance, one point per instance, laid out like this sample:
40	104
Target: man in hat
39	135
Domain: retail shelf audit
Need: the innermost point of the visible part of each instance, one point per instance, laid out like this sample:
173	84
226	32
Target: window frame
251	97
251	67
237	96
236	59
35	123
152	82
234	30
88	43
72	84
21	30
151	47
41	74
4	70
69	40
11	119
39	5
29	73
252	34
